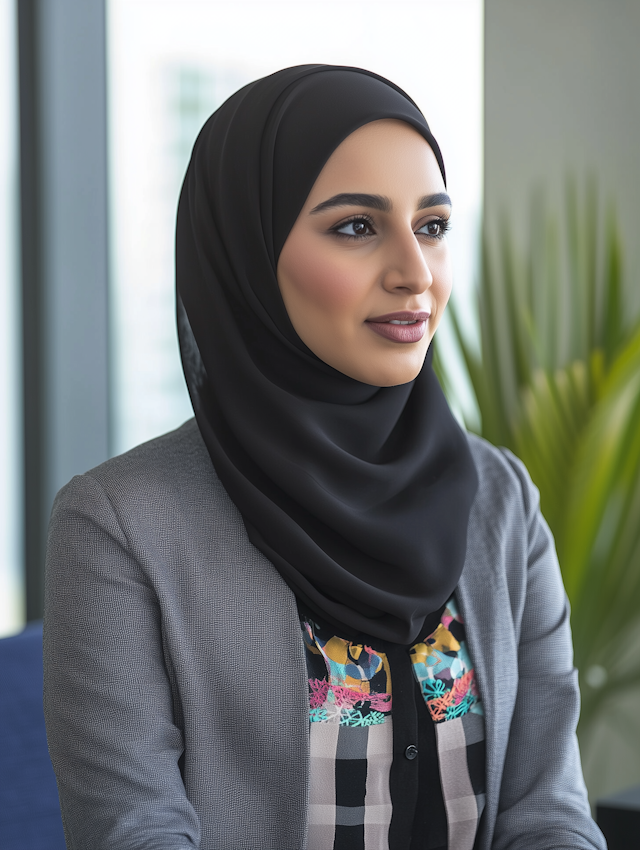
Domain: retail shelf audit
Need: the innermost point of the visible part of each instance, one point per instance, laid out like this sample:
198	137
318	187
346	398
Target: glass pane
172	62
11	576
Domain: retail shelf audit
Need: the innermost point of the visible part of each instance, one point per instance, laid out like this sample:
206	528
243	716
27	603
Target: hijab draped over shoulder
359	495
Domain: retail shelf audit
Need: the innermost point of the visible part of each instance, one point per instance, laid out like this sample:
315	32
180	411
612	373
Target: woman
320	615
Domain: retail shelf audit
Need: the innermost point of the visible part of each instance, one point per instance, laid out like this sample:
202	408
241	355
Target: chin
377	370
396	382
401	373
387	377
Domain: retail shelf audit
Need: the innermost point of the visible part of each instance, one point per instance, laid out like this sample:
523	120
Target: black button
411	752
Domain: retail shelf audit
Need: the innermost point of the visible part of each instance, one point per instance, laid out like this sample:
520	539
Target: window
11	579
172	62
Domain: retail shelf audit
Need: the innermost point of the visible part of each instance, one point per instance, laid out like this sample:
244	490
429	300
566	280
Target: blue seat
29	809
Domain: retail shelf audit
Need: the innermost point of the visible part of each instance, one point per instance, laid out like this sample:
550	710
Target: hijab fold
359	495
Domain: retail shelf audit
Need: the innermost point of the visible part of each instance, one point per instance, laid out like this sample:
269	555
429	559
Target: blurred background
537	109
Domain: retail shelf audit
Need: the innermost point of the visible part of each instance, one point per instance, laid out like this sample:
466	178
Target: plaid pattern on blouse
436	783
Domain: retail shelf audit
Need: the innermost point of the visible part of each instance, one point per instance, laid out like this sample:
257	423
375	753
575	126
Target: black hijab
359	495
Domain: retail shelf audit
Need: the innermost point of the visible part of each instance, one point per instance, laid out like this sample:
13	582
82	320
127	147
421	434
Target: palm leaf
558	381
601	548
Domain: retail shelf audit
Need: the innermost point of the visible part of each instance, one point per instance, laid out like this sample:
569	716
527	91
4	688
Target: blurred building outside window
172	62
11	578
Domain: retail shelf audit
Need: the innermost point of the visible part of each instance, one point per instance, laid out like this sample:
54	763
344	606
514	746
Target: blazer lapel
485	605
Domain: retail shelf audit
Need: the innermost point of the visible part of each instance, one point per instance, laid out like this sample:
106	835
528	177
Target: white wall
562	93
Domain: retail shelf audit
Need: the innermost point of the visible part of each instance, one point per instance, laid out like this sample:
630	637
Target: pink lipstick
404	326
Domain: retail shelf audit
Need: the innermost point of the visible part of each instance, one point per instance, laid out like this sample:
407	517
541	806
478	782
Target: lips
405	326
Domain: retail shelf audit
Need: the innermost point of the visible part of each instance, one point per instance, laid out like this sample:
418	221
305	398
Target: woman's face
365	272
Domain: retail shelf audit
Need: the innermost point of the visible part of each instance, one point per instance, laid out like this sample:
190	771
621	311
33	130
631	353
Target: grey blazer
175	683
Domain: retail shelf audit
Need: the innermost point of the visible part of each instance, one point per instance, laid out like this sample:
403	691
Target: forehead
386	156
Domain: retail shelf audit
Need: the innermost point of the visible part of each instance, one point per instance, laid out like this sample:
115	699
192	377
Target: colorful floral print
443	668
350	683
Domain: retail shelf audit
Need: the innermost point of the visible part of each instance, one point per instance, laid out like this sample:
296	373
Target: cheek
442	280
318	280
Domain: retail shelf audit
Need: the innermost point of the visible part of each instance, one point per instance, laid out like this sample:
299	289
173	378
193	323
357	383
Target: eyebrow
437	200
349	199
377	202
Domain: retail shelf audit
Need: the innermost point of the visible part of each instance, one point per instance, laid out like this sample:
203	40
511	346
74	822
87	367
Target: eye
355	228
435	229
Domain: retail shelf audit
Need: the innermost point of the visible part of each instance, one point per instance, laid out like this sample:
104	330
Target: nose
406	265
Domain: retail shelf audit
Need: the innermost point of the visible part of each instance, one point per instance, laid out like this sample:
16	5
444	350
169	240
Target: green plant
557	380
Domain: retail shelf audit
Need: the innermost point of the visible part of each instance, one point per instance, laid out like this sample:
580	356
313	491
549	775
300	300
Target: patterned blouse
394	765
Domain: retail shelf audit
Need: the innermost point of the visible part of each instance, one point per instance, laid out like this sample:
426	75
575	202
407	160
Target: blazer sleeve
543	800
113	740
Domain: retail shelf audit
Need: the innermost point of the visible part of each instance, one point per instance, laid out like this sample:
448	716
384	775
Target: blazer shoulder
180	453
502	476
173	469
